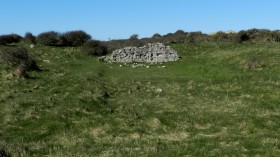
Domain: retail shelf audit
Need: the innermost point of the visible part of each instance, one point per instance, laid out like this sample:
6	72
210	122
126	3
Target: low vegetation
78	38
50	38
94	48
71	38
74	38
9	39
30	38
222	99
19	60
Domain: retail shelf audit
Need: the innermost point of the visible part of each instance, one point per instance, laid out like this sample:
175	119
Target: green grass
211	104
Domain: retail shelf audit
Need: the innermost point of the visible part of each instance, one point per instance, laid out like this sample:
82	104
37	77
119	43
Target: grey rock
102	59
151	53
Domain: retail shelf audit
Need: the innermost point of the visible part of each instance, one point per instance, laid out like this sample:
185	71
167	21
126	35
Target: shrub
115	44
18	57
179	36
50	38
156	36
222	36
180	32
74	38
9	39
168	38
274	36
186	37
194	37
30	38
242	36
94	48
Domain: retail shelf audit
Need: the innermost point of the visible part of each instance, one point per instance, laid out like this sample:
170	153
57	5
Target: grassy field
215	102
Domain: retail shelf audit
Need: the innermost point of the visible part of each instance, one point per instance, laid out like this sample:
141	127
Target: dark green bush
94	48
242	36
179	36
74	38
156	36
168	38
29	38
9	39
50	38
180	32
194	37
18	57
256	35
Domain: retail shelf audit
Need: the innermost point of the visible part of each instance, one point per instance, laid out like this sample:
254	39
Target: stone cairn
151	53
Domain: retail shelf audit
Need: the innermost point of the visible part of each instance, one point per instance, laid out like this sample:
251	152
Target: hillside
221	99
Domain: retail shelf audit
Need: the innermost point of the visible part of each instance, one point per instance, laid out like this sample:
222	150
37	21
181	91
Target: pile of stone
151	53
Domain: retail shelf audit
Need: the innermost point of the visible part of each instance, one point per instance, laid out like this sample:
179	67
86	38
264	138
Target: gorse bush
94	48
74	38
18	57
9	39
50	38
29	38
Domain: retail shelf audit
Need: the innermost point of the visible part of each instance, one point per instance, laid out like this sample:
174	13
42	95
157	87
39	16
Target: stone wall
151	53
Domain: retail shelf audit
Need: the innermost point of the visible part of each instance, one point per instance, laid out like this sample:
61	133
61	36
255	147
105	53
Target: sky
119	19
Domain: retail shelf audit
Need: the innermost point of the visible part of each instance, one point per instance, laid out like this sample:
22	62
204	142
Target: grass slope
211	104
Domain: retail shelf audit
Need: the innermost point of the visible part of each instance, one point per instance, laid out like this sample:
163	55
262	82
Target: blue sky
118	19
